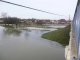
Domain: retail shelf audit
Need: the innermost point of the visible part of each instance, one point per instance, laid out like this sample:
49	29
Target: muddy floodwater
28	45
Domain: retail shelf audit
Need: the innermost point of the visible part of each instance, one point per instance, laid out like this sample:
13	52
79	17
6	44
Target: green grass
8	26
61	35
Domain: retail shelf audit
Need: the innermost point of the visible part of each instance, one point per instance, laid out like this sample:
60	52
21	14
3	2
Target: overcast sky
61	7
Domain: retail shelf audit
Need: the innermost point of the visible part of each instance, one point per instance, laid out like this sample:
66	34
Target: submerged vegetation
8	26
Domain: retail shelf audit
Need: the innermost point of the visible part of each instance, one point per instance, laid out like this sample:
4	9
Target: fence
76	28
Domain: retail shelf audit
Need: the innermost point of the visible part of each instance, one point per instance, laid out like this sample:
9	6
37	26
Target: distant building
1	20
55	21
44	21
25	20
48	21
39	22
62	21
69	21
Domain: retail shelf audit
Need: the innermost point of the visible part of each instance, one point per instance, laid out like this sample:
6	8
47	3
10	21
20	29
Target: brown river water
28	45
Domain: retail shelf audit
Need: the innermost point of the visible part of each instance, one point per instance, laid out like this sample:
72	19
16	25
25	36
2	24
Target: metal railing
76	28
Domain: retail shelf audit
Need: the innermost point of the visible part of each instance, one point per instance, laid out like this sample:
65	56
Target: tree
4	15
16	21
10	20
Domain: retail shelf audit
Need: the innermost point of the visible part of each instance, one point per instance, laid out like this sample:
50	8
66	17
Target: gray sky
61	7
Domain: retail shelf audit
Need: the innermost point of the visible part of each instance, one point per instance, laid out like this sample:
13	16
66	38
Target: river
28	45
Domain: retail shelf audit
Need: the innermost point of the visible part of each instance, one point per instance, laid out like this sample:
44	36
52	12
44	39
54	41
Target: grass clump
8	26
61	35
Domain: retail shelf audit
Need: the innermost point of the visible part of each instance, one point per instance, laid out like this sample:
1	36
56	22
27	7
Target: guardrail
76	29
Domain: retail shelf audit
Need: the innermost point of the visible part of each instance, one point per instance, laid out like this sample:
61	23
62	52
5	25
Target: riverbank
37	28
61	35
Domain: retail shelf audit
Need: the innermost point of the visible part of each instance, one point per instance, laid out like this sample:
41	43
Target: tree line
10	20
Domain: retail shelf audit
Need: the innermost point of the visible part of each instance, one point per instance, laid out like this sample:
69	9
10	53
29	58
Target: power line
29	7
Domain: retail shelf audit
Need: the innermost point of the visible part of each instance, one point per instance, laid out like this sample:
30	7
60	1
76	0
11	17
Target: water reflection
12	32
28	45
56	44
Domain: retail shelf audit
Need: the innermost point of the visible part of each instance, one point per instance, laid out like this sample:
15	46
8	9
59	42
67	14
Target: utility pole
69	19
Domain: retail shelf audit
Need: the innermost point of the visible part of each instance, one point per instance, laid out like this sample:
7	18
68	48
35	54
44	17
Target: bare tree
4	15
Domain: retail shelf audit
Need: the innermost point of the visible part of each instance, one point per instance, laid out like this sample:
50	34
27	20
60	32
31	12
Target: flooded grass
8	26
61	35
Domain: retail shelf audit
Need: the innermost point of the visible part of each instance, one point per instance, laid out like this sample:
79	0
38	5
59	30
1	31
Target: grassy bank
60	35
8	26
